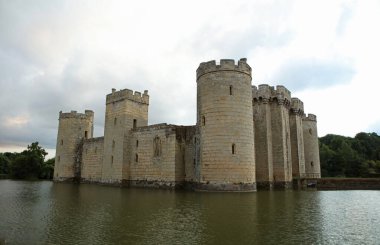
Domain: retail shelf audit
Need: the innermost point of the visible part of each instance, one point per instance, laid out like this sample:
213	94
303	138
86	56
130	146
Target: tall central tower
224	119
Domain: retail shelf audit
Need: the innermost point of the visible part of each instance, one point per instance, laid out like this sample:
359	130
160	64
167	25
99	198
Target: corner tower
73	128
224	119
310	137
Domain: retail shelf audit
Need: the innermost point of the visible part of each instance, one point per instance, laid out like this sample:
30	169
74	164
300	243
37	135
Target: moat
44	212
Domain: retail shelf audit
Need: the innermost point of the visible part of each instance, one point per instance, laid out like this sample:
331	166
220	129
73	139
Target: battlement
310	117
88	114
282	91
297	106
129	95
264	91
225	65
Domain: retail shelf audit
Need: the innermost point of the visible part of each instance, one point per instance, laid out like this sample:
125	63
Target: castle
245	137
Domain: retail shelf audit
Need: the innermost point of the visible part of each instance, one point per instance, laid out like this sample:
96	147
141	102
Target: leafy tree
30	163
350	157
47	169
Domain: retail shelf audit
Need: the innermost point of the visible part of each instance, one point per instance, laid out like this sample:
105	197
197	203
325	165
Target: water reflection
43	212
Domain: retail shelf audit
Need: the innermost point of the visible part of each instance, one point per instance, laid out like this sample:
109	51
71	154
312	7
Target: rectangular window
85	134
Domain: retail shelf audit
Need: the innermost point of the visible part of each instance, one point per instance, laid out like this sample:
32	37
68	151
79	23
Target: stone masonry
246	137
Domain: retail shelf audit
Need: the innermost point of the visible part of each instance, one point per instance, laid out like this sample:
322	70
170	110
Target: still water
44	212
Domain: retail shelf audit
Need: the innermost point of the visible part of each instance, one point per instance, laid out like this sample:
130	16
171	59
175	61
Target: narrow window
134	123
61	142
233	149
137	143
203	121
230	89
113	144
114	121
137	157
111	159
85	134
310	131
157	147
312	163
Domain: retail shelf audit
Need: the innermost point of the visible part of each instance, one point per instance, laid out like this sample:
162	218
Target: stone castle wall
92	159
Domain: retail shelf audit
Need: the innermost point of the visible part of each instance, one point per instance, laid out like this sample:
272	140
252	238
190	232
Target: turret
73	128
224	119
296	138
311	145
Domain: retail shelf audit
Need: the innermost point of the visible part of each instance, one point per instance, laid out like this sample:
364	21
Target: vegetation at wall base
350	157
29	164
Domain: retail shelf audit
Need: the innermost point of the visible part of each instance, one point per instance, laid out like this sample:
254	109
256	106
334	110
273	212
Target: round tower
311	147
72	129
226	156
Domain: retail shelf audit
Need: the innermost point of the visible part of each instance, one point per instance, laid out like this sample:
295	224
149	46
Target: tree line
29	164
350	157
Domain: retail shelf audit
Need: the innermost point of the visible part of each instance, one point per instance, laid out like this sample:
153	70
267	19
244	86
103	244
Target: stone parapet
74	114
310	117
296	106
129	95
225	65
264	93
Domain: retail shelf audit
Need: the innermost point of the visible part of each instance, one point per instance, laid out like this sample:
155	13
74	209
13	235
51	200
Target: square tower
125	110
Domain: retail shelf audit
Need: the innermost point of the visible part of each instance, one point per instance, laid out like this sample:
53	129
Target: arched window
233	149
157	148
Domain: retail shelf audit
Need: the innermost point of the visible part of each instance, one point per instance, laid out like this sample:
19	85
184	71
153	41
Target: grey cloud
311	73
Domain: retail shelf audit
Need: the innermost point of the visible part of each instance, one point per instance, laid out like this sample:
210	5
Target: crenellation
310	117
245	137
297	106
74	114
225	65
120	95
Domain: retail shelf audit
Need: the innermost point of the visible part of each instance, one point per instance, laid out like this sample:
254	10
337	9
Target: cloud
313	73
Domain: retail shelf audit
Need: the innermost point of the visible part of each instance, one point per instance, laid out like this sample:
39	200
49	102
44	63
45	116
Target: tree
29	163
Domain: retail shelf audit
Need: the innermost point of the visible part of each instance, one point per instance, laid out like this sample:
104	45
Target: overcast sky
67	55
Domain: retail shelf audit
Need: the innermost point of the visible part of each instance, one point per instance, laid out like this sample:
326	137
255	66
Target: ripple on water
43	212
